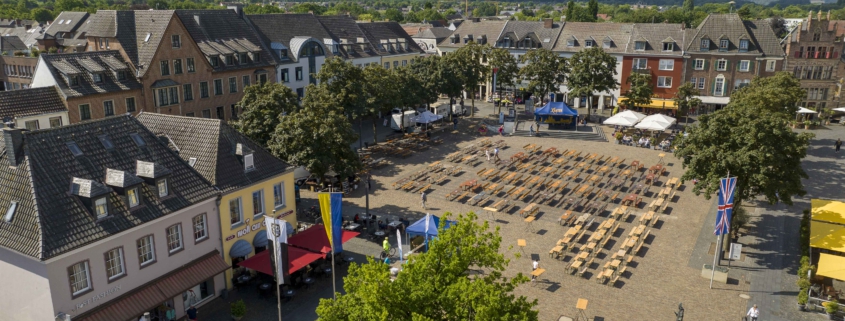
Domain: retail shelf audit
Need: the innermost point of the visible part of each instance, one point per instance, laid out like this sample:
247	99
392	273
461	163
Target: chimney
828	15
809	19
548	23
13	137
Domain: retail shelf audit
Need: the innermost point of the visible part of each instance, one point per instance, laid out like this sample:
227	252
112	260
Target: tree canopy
474	71
777	94
639	90
544	70
441	284
262	107
686	98
345	82
591	70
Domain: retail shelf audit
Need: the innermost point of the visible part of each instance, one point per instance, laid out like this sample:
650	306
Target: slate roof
764	36
722	26
214	143
50	221
219	31
520	29
11	44
67	21
281	28
133	28
31	101
655	34
345	30
619	34
28	36
390	32
438	33
84	63
490	28
103	24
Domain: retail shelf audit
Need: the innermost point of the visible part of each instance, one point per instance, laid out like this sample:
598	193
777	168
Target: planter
806	126
236	318
802	308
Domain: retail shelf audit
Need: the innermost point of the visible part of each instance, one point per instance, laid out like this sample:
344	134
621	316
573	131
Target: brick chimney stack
548	23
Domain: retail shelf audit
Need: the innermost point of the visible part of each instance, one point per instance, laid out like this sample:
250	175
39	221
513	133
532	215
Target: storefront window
198	293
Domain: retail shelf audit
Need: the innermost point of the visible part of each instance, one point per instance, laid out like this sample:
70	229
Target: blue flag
727	187
330	206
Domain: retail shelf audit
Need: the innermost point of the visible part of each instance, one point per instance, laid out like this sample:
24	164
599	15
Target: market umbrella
625	118
840	109
803	110
656	122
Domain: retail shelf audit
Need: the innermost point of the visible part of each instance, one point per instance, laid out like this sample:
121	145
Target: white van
409	121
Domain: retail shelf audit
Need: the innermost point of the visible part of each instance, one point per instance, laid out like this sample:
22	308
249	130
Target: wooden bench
616	278
629	258
460	198
423	188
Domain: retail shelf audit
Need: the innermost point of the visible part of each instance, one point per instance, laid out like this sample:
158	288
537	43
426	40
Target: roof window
10	213
192	161
137	139
106	141
74	149
147	38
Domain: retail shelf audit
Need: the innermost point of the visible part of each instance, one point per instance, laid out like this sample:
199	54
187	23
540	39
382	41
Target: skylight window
147	39
61	21
106	141
137	139
68	22
74	149
192	161
10	213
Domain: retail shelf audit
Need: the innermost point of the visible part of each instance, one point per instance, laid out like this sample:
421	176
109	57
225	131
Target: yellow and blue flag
330	207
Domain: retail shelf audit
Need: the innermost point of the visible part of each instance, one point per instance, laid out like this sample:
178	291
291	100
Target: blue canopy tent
556	113
426	227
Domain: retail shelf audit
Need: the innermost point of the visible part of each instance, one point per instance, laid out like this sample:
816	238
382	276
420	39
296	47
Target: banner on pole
330	207
727	186
277	234
399	241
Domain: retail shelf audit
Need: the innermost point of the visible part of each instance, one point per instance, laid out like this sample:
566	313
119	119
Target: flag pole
718	244
334	280
276	272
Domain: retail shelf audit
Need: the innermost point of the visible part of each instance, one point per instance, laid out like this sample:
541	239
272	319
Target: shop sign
289	212
95	299
246	230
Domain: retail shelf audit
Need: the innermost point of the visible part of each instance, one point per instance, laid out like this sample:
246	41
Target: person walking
455	123
502	130
496	153
534	266
192	313
531	131
754	313
487	153
423	199
537	126
386	246
838	144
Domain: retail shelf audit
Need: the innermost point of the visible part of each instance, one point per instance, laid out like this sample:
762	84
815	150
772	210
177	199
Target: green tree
393	14
744	12
383	93
484	9
591	70
778	94
424	71
474	72
262	109
570	10
437	284
507	73
68	5
41	15
544	70
689	6
639	90
317	136
686	98
593	7
346	83
449	77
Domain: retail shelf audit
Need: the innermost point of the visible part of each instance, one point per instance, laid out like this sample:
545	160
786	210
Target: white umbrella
427	117
840	109
803	110
656	122
625	118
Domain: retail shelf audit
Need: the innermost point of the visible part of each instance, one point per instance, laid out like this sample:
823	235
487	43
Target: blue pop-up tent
556	113
426	227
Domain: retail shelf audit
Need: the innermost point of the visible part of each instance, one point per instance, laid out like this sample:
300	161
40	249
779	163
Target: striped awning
143	299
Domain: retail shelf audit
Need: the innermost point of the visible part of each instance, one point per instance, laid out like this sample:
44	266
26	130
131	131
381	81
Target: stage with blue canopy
426	227
556	113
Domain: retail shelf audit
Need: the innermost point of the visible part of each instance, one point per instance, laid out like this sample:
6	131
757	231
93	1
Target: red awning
297	259
316	240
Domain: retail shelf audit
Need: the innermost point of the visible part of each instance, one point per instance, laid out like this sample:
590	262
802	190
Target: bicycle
390	253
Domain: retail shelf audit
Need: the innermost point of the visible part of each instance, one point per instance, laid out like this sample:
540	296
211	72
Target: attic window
101	207
74	81
249	163
606	44
570	43
705	44
192	161
639	45
137	139
723	45
132	197
74	149
106	141
668	46
147	38
10	213
162	187
743	45
589	43
98	77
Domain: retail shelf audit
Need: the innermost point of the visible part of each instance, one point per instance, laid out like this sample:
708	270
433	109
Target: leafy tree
689	6
639	91
591	70
449	77
778	94
508	71
318	136
262	109
424	70
744	12
437	285
474	72
593	7
262	9
346	83
427	5
686	98
544	70
383	92
570	10
308	7
393	14
484	9
41	15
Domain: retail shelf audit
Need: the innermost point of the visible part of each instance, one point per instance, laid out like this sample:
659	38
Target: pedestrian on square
487	153
531	131
423	199
537	126
496	153
534	266
455	122
753	313
502	130
192	313
838	144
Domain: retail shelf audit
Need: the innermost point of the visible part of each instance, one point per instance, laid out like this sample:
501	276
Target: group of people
495	154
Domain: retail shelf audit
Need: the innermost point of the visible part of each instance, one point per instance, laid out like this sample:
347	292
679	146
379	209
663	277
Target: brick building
814	49
656	50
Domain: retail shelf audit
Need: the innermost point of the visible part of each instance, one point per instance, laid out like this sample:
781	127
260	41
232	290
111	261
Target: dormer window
606	44
214	61
249	163
743	45
455	39
245	155
74	80
243	58
705	45
98	78
639	45
668	46
121	75
162	187
92	194
132	197
283	53
570	42
723	44
101	207
589	43
230	60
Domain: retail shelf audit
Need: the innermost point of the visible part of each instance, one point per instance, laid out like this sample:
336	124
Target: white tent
656	122
802	110
427	117
840	109
625	118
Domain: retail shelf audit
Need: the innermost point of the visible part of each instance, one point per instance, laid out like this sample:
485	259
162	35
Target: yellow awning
827	236
828	211
832	266
656	103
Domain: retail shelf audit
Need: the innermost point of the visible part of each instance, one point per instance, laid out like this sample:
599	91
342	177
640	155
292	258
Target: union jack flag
726	204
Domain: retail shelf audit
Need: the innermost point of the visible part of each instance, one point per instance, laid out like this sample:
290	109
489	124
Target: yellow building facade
242	214
396	61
